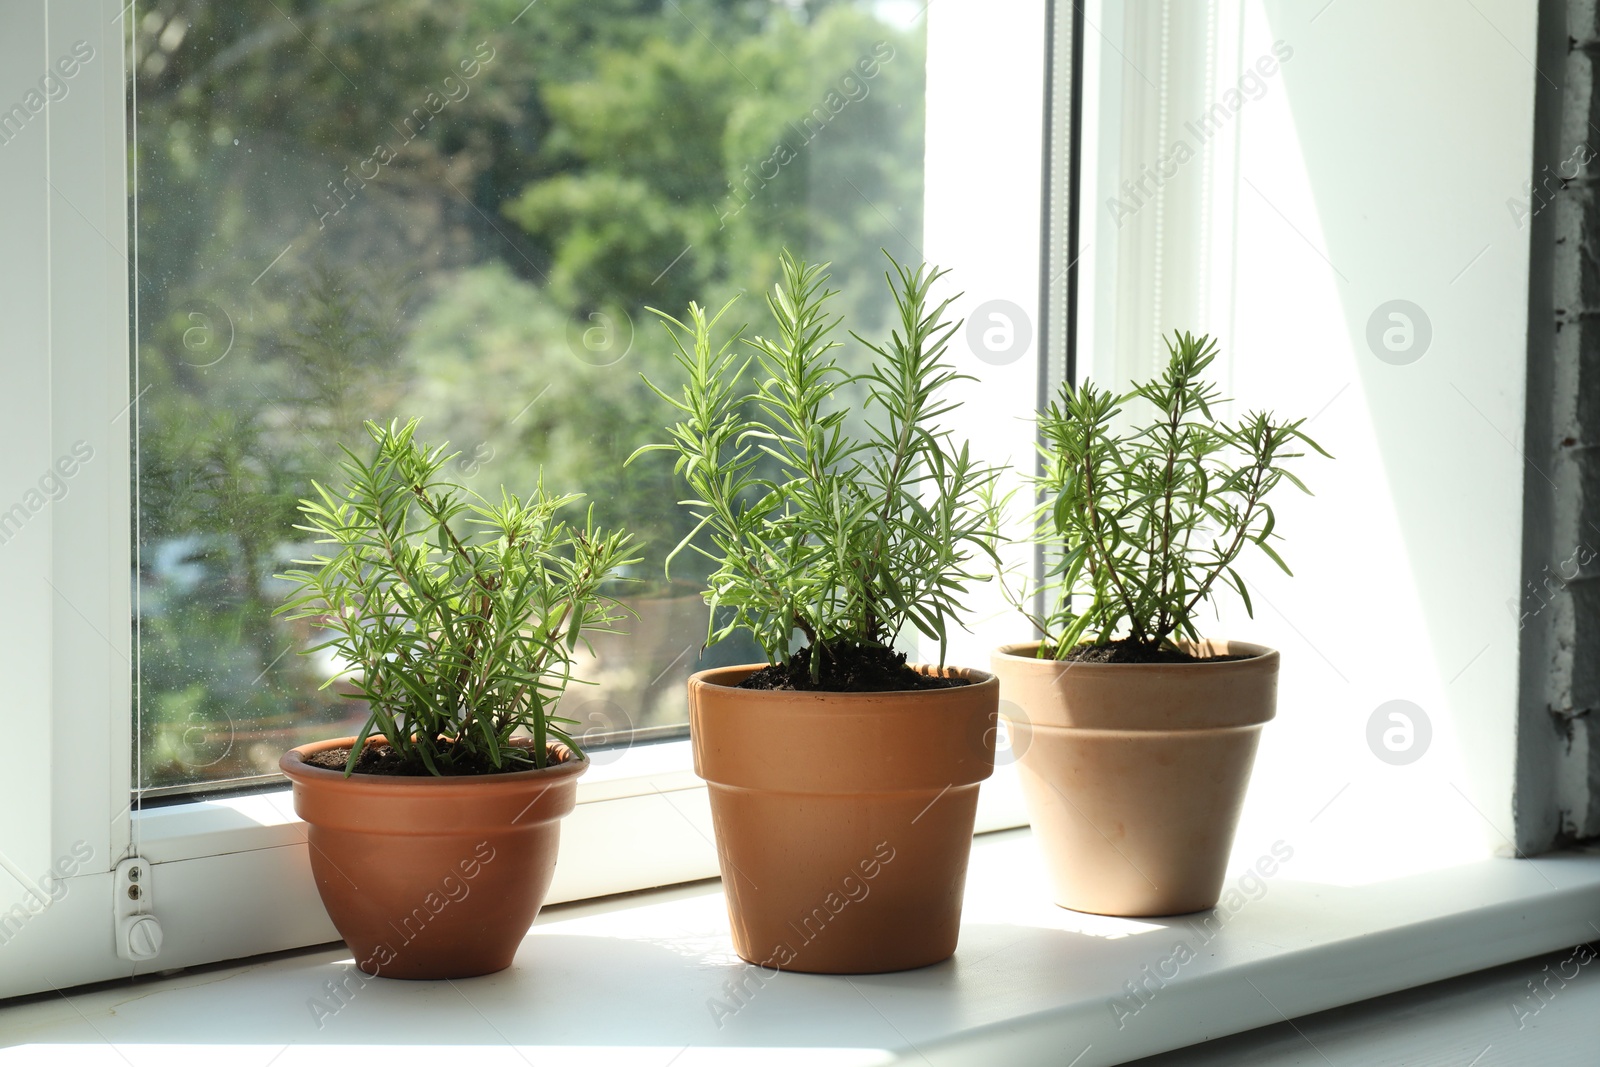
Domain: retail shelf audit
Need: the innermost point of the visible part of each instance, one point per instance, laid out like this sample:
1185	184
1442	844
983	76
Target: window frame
67	646
642	819
64	573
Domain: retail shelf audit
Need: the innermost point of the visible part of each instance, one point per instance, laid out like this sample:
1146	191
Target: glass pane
460	210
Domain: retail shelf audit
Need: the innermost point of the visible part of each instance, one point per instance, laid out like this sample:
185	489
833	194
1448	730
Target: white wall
1375	164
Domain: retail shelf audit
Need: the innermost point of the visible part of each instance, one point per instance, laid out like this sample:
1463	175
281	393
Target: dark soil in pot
1127	650
848	668
381	759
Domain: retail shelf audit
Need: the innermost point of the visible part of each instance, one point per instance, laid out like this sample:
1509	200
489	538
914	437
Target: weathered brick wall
1558	750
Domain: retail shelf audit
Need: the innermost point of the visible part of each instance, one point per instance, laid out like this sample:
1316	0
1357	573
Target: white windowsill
1538	1011
633	980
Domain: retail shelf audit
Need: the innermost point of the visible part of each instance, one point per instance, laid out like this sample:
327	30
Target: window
546	161
478	252
462	211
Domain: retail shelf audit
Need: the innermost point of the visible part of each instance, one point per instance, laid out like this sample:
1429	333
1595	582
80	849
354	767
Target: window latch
138	931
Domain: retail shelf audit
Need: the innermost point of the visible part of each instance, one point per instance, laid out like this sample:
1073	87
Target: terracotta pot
431	877
1134	773
843	820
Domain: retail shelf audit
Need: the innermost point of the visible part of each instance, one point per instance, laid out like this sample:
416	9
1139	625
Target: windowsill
635	979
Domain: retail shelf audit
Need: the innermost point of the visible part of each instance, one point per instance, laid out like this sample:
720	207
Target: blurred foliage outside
460	210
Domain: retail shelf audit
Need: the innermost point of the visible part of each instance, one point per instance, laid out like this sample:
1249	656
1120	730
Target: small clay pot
432	877
1135	773
843	820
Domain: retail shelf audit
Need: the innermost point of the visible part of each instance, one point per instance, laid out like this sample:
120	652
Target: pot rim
294	767
1011	653
977	680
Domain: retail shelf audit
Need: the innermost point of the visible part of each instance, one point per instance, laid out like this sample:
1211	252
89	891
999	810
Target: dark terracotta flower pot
432	877
843	820
1134	773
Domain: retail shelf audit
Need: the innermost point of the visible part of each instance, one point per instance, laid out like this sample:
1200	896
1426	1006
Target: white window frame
65	644
229	877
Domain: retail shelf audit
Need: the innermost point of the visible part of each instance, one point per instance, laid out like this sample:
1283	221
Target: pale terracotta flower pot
432	877
1134	773
843	820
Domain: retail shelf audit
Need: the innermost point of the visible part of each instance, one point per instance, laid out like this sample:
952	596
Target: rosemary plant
841	539
1141	528
457	618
